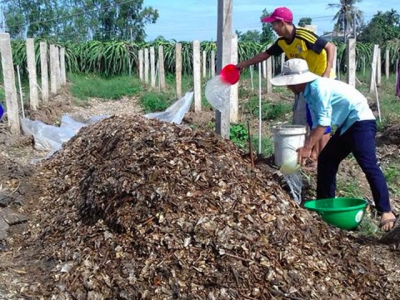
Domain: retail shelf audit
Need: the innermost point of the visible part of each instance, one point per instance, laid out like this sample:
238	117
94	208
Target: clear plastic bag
218	93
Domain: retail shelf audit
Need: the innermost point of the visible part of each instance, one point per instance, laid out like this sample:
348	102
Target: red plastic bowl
230	74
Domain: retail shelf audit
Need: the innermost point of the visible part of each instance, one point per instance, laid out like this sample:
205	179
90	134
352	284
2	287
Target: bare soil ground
19	191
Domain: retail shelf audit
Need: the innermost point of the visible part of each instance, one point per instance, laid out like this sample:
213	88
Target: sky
188	20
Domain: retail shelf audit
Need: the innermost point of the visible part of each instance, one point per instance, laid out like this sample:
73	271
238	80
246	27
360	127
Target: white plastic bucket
287	139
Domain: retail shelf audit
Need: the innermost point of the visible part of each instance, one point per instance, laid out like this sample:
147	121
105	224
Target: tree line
78	20
126	20
383	27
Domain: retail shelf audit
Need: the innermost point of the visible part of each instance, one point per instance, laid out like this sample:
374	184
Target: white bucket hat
295	71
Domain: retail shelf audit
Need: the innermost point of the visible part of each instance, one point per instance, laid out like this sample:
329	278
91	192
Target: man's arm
252	61
330	53
315	135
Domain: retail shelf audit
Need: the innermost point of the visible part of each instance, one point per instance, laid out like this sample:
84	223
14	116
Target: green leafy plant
239	134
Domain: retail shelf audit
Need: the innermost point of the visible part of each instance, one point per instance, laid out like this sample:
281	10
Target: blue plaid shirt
335	103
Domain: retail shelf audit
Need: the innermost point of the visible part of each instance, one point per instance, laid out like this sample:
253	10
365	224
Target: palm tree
347	16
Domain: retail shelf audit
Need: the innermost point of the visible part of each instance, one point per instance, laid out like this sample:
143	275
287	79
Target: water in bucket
287	139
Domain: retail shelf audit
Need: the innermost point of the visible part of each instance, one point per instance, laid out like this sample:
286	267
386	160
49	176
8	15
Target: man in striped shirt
298	43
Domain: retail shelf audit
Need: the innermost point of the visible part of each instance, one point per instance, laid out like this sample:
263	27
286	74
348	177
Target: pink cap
281	13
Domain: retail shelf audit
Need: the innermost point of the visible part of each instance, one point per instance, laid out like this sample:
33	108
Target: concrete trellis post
152	68
234	103
212	63
373	69
196	76
31	60
387	64
268	72
44	72
264	69
224	41
9	83
273	65
379	68
141	65
204	64
146	65
63	67
282	60
53	70
58	67
178	69
351	61
161	68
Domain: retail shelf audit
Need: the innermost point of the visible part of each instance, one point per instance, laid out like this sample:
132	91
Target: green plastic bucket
344	213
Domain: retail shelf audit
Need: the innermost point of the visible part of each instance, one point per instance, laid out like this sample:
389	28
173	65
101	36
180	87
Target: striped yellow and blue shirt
304	44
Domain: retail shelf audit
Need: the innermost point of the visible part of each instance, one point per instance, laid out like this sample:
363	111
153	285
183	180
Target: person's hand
240	66
303	153
327	73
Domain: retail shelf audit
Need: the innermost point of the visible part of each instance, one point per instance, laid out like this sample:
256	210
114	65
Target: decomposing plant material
140	209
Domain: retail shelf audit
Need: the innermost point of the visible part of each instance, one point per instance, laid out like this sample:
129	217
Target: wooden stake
250	146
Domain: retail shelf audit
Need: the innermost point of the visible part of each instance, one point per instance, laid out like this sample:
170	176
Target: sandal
391	220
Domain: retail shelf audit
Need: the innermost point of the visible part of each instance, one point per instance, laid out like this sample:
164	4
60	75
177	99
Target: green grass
348	188
267	145
269	110
155	101
392	176
92	86
389	104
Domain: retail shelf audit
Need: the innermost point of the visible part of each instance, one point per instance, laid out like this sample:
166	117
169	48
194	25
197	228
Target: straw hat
295	71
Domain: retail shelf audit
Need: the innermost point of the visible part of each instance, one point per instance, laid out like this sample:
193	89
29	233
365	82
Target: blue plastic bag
1	111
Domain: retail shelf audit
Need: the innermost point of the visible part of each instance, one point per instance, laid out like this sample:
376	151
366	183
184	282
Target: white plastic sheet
51	138
176	112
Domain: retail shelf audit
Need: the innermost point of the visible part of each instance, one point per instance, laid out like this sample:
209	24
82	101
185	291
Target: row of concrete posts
49	85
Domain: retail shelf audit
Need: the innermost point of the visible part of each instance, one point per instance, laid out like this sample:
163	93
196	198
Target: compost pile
140	209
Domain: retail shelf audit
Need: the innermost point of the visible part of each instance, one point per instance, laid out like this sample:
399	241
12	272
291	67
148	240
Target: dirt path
97	107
